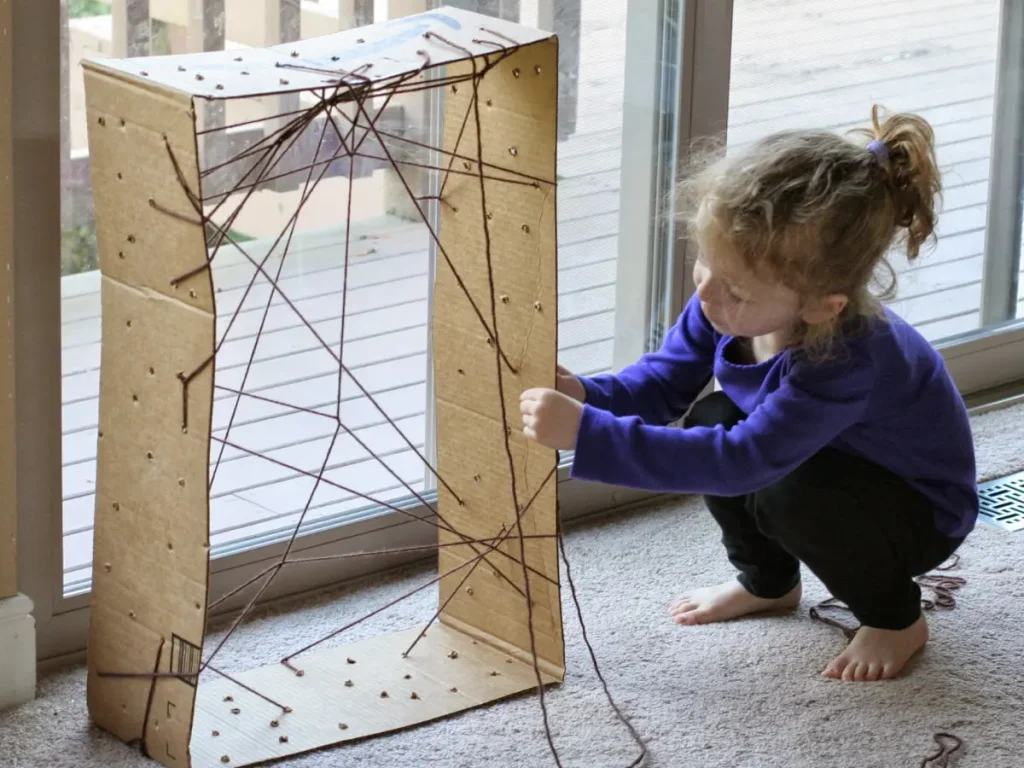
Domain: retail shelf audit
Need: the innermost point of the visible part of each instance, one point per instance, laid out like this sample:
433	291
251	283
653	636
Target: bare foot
726	601
878	654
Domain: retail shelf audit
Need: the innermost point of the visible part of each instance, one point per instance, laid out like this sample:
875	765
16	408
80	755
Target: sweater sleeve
662	385
812	406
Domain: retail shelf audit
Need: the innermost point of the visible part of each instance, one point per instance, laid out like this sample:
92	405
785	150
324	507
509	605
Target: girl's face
736	301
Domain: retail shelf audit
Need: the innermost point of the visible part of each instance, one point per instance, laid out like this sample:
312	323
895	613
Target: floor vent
1002	502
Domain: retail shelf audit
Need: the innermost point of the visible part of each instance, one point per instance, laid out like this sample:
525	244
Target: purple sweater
887	398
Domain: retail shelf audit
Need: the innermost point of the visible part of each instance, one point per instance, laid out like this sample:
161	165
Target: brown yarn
355	88
943	586
948	747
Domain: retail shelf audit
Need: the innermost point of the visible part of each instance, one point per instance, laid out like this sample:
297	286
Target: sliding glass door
960	65
622	86
638	84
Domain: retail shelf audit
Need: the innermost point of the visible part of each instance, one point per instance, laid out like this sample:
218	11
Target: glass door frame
979	361
994	355
666	113
36	50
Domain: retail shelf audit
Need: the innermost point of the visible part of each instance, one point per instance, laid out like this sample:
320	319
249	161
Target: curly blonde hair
818	212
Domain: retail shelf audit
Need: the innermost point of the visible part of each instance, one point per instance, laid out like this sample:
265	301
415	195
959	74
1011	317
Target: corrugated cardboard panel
393	47
117	642
448	671
151	550
493	469
482	602
131	127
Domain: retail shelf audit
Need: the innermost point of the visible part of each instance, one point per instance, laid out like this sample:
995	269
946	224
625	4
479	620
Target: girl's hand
569	384
551	418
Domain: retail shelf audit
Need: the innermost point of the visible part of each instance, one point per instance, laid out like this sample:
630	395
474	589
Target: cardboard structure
151	551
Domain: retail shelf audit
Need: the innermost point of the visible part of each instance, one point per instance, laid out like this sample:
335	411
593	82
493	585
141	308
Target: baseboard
17	652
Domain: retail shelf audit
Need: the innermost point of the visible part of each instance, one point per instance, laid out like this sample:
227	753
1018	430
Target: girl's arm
812	407
662	385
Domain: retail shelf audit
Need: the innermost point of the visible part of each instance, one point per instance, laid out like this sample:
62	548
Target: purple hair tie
880	151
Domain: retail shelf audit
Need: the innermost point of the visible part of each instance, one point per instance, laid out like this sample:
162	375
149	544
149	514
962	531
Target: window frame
8	444
62	622
699	90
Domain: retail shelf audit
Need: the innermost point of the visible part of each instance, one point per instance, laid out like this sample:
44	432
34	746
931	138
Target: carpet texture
740	694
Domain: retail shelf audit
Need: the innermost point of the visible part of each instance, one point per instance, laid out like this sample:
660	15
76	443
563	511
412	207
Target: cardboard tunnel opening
440	127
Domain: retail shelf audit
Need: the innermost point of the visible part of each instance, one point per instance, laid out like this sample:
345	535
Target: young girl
838	440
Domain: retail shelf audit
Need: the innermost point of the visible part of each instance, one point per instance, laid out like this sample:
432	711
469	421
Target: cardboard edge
524	655
200	398
96	67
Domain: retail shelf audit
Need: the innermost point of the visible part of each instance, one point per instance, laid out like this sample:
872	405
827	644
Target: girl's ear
824	309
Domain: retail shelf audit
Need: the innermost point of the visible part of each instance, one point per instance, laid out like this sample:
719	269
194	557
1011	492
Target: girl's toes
834	671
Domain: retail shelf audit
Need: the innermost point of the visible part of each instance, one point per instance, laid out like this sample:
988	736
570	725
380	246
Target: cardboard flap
392	48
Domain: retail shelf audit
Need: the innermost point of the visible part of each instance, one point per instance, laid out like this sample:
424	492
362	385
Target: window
960	67
609	186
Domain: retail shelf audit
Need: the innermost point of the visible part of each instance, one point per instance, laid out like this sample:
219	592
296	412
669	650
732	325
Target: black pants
859	528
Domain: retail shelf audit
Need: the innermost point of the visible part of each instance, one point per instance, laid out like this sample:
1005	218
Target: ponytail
905	148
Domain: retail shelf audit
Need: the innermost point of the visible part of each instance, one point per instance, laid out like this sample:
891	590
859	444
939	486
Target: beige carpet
743	694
